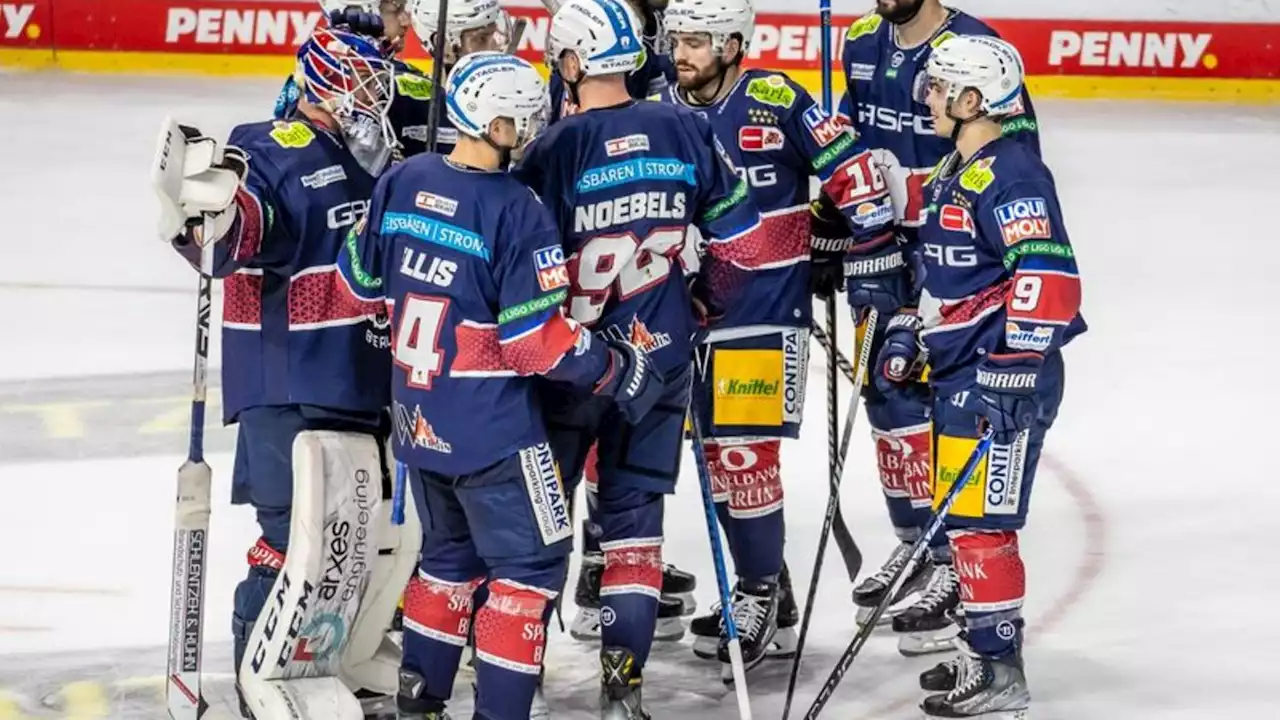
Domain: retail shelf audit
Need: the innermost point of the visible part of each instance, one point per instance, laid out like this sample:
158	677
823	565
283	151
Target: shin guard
437	622
510	641
993	584
749	470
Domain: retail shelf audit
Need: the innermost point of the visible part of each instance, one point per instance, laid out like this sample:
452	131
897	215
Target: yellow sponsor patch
951	454
748	387
413	86
292	134
865	25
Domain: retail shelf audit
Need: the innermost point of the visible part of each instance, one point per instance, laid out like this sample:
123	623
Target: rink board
1075	58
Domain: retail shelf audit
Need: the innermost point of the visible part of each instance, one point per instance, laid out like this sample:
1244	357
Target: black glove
357	21
631	380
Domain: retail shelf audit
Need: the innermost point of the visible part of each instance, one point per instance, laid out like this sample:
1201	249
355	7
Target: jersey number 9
623	260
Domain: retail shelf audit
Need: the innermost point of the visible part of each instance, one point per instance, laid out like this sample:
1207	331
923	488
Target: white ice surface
1151	590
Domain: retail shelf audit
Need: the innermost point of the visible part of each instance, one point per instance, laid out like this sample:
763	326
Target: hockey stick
437	78
191	529
517	34
900	577
849	550
722	575
833	501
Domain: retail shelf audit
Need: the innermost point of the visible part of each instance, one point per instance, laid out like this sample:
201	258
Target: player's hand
1006	391
826	273
631	380
357	21
876	275
196	180
900	359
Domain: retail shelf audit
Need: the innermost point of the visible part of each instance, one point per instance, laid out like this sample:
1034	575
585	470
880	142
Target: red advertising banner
782	41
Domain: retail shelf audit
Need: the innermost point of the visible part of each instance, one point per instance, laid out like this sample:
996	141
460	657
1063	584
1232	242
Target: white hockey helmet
463	15
989	65
487	85
717	18
604	34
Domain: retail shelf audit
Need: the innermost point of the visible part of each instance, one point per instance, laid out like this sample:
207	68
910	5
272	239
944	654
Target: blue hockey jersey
880	77
290	333
471	269
624	184
778	137
1000	274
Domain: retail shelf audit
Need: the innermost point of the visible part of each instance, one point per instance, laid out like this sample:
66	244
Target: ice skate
987	688
755	616
871	591
413	704
586	595
620	686
926	626
706	628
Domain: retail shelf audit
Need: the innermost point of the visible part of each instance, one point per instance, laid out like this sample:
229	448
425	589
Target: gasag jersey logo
1024	219
760	138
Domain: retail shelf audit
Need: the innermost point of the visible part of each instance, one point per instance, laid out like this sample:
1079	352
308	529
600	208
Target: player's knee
439	609
751	475
509	630
629	513
992	576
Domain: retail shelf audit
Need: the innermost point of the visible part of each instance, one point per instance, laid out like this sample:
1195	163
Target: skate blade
706	647
689	603
916	644
886	618
726	669
1021	714
586	627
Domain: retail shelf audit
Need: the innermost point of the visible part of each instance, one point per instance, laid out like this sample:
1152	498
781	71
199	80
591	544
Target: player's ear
570	68
732	48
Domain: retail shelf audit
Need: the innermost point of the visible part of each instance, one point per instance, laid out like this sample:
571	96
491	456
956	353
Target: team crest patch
624	145
552	272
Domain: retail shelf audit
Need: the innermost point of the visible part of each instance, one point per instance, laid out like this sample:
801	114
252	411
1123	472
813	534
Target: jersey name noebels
629	208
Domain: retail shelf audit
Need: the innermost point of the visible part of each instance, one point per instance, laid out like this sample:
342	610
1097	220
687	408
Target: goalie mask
347	76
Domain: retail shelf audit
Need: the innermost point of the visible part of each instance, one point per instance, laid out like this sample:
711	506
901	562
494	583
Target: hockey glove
876	275
631	380
1006	388
196	180
357	21
900	358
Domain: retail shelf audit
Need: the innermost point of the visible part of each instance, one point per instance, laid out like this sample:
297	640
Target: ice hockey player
304	375
656	71
1001	297
748	389
884	57
468	261
624	180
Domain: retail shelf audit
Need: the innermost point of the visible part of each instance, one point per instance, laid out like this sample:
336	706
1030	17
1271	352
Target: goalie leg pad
749	470
313	604
372	659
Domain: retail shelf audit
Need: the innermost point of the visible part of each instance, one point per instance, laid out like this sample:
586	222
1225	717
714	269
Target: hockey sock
751	472
992	587
904	457
437	620
510	640
632	579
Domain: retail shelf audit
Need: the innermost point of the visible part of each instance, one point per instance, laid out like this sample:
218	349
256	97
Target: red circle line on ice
1086	575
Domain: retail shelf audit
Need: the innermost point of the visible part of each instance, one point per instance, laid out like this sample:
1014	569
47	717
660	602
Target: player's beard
701	80
898	11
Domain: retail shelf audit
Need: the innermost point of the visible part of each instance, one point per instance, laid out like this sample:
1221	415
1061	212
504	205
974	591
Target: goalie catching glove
196	180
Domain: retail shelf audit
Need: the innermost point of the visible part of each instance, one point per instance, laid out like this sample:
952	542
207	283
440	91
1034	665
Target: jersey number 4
622	261
416	344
